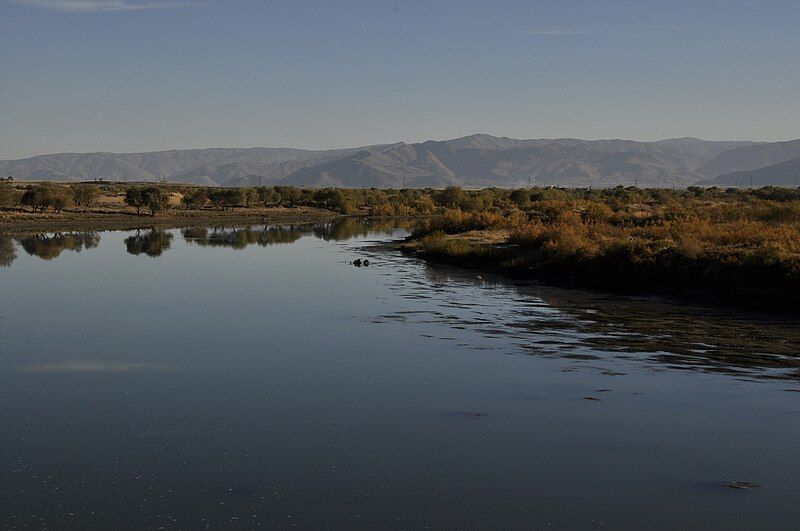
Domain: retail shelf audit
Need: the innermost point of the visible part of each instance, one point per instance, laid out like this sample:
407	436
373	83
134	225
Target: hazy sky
136	75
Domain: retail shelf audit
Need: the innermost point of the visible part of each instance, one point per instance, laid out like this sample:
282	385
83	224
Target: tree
224	198
289	195
152	198
84	195
155	199
268	196
133	197
195	198
335	199
249	196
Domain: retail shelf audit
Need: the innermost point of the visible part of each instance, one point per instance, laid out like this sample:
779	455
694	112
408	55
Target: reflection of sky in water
89	366
243	377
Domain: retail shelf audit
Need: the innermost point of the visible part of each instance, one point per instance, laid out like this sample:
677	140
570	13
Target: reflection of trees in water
349	228
242	237
658	332
683	336
47	246
8	252
277	235
151	243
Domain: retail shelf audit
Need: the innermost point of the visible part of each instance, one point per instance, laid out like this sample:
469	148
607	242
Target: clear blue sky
125	75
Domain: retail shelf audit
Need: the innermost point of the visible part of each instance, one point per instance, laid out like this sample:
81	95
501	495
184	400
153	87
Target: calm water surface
254	377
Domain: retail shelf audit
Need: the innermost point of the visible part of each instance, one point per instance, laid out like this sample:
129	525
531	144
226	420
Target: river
254	377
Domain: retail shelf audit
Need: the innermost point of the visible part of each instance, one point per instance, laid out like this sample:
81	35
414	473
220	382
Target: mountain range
473	161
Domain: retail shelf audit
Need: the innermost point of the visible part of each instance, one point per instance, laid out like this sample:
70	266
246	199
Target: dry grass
731	244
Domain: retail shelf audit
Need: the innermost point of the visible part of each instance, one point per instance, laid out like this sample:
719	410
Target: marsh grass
741	245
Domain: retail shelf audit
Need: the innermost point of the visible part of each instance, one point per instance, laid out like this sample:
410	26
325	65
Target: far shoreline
16	221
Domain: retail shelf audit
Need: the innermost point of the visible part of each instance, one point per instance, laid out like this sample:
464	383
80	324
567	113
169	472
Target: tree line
152	199
42	197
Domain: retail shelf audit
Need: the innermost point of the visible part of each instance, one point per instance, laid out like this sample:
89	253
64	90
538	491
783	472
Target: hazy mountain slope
550	162
393	169
751	157
783	174
472	161
192	165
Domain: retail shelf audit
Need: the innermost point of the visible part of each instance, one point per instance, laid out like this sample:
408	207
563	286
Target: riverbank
710	277
15	221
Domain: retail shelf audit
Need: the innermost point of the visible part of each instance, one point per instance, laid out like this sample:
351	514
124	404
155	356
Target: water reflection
239	238
91	366
544	321
154	242
8	252
323	392
594	329
151	243
684	336
349	228
50	246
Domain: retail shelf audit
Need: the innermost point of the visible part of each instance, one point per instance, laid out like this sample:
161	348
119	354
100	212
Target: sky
146	75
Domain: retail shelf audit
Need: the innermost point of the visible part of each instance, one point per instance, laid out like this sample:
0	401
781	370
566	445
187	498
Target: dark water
242	378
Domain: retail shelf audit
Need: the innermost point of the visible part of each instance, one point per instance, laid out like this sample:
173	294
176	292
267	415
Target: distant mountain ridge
751	157
785	173
478	160
481	160
210	166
